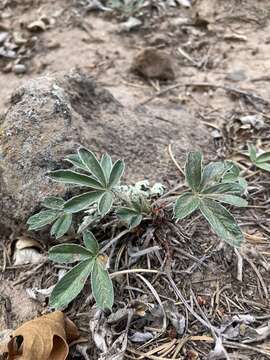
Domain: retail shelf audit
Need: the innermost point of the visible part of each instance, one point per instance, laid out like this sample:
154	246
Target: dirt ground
220	53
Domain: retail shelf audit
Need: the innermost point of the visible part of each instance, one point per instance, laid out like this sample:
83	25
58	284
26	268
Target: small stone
153	64
19	69
238	75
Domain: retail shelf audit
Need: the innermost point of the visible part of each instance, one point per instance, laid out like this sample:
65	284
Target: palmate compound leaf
83	201
53	202
74	178
71	284
90	161
61	225
222	222
116	173
193	170
105	203
106	163
69	253
102	286
42	219
185	205
91	243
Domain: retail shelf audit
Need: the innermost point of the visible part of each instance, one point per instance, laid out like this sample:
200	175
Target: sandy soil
225	45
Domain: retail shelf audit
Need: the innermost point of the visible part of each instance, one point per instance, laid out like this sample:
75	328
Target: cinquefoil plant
91	263
99	177
216	183
262	160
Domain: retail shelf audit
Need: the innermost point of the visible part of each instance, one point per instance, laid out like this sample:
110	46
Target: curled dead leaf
27	251
44	338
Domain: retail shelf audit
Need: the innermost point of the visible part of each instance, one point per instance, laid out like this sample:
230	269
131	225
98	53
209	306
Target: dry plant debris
44	338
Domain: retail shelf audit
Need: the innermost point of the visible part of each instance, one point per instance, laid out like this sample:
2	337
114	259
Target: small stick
174	160
205	84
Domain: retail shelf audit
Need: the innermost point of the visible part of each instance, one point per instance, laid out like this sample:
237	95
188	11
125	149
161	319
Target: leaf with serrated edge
53	202
42	219
193	169
74	178
228	199
106	163
69	253
82	202
76	161
71	284
102	287
61	226
116	173
185	205
222	222
91	162
90	242
105	203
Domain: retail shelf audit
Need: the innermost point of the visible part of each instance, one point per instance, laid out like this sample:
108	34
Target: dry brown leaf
44	338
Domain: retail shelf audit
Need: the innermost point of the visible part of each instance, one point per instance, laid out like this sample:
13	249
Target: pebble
19	69
238	75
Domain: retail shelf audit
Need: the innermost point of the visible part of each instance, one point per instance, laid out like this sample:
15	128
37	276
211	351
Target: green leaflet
229	188
185	205
135	221
212	173
72	177
116	173
193	170
105	202
264	157
62	225
91	243
71	284
90	161
82	202
263	166
102	286
130	216
69	253
76	161
228	199
42	219
222	222
53	202
106	163
252	153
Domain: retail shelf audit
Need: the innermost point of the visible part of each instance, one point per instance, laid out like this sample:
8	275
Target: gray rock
237	75
50	117
19	69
